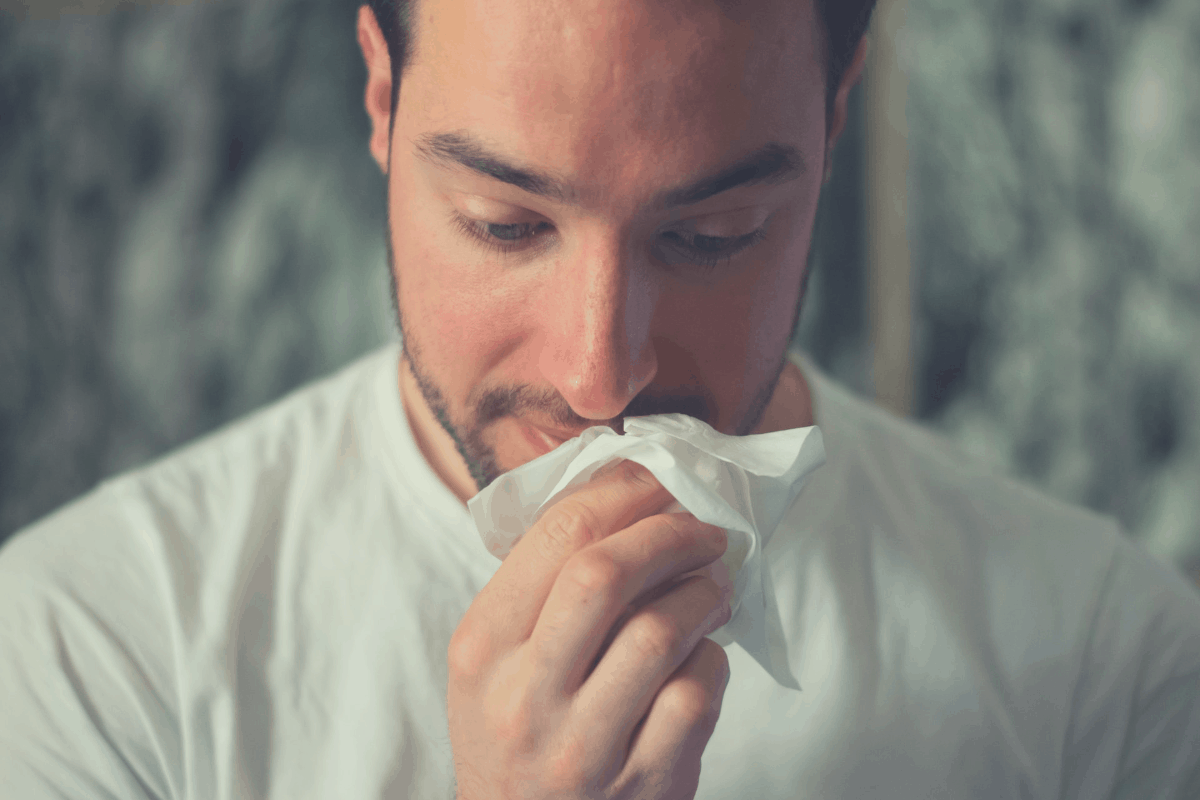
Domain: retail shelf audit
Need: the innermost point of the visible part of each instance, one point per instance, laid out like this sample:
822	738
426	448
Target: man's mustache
499	404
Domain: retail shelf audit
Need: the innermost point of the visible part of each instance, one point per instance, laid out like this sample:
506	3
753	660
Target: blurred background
191	226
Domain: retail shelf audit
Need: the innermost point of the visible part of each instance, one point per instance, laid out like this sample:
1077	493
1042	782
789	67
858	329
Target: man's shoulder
925	478
313	416
981	539
202	494
123	612
1092	644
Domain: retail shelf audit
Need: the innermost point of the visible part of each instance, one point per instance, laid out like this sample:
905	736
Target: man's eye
705	251
506	233
496	237
711	251
704	244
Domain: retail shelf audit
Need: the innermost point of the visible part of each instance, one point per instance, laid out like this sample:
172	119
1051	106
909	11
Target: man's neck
790	405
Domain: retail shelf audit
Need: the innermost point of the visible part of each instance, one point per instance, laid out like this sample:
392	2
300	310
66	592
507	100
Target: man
597	210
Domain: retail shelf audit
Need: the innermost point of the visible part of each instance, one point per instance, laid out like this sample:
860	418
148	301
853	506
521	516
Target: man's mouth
539	440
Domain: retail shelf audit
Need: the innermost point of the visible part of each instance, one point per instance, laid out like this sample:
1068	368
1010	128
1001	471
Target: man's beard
480	457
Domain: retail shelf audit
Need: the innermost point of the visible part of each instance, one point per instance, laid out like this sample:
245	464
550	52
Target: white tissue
744	484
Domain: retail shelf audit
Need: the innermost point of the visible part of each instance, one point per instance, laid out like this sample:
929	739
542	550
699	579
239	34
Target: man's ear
850	78
379	84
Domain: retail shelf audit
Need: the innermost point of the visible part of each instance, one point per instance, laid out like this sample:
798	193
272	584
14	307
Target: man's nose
597	348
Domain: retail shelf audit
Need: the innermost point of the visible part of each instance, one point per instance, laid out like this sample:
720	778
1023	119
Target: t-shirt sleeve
85	705
1135	726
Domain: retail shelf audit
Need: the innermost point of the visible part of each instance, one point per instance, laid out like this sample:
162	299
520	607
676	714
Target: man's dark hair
845	23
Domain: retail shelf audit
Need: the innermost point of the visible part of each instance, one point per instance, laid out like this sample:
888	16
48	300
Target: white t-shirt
266	613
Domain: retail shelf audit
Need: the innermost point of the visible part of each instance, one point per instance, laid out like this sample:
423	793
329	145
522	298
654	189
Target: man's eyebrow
773	163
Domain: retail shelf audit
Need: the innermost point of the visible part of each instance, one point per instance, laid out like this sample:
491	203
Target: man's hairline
824	43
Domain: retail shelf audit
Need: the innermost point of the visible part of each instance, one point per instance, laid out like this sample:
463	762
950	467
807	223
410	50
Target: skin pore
555	259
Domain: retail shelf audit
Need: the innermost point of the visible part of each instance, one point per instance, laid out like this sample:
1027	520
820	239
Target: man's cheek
467	322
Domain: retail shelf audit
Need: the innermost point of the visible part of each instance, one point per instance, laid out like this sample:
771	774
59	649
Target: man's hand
580	670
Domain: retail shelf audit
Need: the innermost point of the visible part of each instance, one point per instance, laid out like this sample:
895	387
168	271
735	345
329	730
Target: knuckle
683	528
687	700
654	636
467	656
593	573
639	476
679	533
568	770
572	527
562	777
513	723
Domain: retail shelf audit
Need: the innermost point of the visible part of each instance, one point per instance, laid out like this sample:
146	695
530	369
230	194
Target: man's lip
556	435
541	441
545	440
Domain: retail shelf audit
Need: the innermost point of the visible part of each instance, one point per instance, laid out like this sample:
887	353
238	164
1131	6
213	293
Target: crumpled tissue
744	484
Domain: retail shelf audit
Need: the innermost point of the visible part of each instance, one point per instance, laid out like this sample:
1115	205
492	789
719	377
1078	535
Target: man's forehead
506	33
661	123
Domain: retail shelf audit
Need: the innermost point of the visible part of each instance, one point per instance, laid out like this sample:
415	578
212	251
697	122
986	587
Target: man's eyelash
472	230
715	250
718	249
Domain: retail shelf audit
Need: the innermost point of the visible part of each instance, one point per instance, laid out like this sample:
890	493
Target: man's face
607	294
